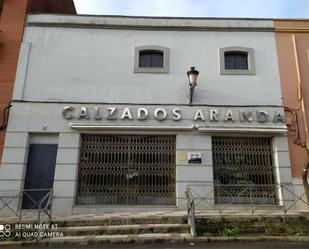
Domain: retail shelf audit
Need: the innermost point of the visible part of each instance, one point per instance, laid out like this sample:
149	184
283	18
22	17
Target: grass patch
253	226
231	232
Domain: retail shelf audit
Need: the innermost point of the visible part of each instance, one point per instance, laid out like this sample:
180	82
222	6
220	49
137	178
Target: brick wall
11	26
13	15
285	30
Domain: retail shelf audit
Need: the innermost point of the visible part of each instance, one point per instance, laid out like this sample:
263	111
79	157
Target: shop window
243	170
237	60
151	59
140	172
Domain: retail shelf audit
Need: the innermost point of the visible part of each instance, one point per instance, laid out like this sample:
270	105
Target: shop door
243	170
39	174
127	170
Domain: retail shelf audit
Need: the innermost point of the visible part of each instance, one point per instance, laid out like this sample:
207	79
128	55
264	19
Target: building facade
292	39
12	19
101	113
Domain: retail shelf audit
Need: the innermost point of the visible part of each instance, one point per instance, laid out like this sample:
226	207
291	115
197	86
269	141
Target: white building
101	115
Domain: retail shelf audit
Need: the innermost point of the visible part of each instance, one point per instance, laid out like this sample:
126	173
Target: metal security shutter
243	170
127	170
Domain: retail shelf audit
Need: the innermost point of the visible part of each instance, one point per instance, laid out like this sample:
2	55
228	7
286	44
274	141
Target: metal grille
243	170
127	170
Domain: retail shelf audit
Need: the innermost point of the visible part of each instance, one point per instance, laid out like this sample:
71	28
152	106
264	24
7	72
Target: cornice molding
153	27
292	29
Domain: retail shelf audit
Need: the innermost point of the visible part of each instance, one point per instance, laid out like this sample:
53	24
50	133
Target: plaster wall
294	75
97	65
12	21
26	126
89	61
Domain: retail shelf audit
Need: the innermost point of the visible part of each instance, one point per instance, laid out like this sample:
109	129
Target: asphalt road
213	245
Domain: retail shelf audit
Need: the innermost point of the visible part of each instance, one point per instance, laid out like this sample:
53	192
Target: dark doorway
39	175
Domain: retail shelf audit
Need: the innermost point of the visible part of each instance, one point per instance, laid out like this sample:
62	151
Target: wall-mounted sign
194	157
161	114
182	157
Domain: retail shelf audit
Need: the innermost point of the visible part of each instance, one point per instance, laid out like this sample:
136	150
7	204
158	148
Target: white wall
96	65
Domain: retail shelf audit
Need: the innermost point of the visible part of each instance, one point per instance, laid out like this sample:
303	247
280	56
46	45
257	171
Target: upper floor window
151	59
237	60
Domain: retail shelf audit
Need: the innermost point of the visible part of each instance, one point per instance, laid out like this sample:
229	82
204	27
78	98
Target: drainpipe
303	109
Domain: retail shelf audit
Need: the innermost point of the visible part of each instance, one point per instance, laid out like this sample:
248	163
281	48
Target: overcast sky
197	8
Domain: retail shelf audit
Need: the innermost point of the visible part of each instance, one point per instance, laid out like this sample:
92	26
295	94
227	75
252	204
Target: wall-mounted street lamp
192	77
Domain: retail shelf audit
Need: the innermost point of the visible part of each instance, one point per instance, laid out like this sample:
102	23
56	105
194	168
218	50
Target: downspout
303	109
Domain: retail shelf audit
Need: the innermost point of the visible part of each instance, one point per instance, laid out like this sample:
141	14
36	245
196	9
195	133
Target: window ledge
150	70
236	72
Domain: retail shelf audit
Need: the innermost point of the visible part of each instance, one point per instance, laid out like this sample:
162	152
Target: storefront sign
161	114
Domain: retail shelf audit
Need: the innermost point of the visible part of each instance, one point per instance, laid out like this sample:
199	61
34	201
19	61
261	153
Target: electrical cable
6	112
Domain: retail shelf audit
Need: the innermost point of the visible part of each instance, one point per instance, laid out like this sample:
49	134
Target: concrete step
106	239
118	228
145	238
113	221
124	229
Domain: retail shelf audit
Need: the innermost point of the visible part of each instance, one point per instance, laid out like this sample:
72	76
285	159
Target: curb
252	239
138	240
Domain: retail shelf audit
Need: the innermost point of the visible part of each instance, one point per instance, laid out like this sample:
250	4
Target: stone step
105	239
124	229
93	221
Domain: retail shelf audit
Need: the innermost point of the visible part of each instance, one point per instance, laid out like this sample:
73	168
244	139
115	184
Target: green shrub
234	231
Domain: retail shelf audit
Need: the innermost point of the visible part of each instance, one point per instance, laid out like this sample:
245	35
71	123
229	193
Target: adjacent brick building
13	14
292	39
